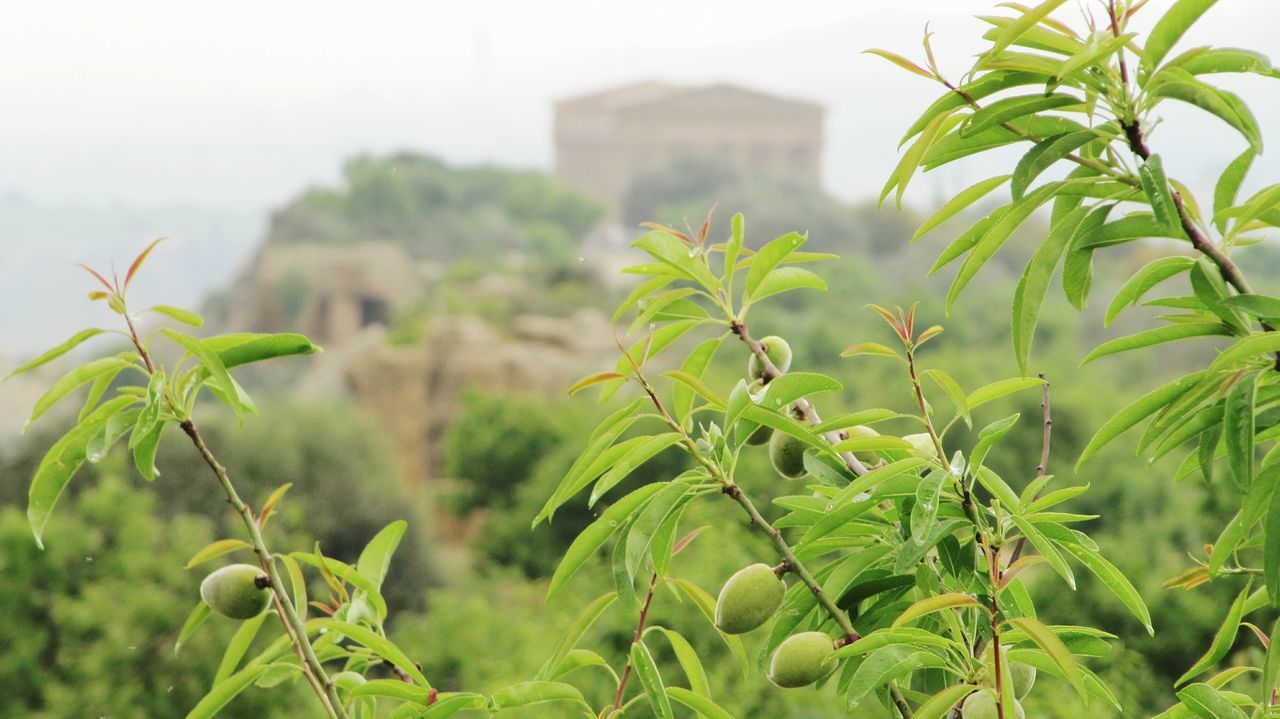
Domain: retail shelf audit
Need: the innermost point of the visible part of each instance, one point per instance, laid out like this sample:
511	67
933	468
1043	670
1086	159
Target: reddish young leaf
133	269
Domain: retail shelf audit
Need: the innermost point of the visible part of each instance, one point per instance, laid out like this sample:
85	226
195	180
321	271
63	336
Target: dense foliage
440	212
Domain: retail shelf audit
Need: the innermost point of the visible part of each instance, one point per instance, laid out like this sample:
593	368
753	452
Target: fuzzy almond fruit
801	659
787	454
921	444
237	591
1023	676
982	705
861	431
778	352
748	599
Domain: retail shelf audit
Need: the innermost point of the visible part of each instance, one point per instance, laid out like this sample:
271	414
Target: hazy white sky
239	104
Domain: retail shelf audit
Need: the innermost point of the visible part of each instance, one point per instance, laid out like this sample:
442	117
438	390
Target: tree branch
644	616
804	406
319	679
733	490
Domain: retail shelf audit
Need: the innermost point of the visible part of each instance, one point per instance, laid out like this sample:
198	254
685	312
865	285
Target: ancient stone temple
605	140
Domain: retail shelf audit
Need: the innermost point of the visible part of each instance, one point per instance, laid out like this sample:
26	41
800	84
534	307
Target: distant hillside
435	211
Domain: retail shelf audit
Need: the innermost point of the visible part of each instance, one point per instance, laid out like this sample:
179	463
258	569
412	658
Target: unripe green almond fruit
861	431
233	591
982	705
778	352
748	599
346	681
760	436
787	454
921	444
1023	676
800	660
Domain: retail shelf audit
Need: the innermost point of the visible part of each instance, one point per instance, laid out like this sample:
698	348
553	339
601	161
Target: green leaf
988	84
226	690
1115	581
1260	306
196	618
581	623
1049	642
691	370
144	451
955	205
238	645
956	393
647	671
1156	336
705	708
1029	19
211	362
900	61
598	532
1228	185
633	459
689	661
1044	154
1001	388
940	705
74	379
56	352
217	549
1156	187
1238	427
774	252
396	689
785	279
1222	641
375	559
1046	547
527	693
1271	551
1271	665
1011	108
885	665
668	503
910	161
937	603
1141	408
673	252
61	462
997	236
1034	283
242	349
1245	350
1215	101
1169	29
380	645
186	317
1151	274
784	390
1209	703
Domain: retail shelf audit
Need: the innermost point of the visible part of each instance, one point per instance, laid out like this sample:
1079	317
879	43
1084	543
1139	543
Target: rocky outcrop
416	390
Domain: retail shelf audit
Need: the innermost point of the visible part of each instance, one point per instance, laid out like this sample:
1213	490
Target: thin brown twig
1046	437
644	617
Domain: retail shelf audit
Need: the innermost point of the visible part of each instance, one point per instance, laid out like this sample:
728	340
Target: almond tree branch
325	689
802	405
644	617
1229	270
733	490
